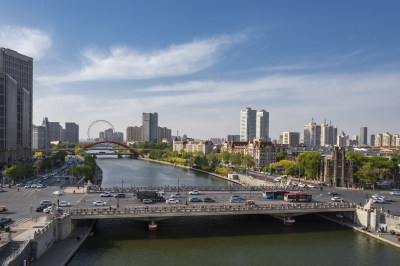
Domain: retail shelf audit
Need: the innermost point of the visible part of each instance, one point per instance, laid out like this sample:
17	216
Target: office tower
363	136
16	87
262	125
39	140
118	137
71	133
150	127
233	138
328	135
134	134
342	140
109	135
372	140
312	134
247	124
291	138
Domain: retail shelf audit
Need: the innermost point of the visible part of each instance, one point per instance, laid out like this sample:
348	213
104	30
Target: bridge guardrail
146	210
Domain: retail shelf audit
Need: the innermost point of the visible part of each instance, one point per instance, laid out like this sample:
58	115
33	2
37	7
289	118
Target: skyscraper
71	132
16	87
150	127
291	138
312	134
262	125
372	140
363	136
247	124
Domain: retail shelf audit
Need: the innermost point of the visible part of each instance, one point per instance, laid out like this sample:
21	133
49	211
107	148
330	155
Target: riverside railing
207	209
12	257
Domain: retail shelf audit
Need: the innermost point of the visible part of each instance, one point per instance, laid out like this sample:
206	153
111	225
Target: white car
378	200
337	199
395	193
177	195
311	186
106	194
194	192
47	210
172	201
58	193
99	203
64	204
301	185
147	201
33	186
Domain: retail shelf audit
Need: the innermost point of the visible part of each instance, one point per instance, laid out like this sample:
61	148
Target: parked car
337	199
194	199
208	200
46	203
333	193
106	194
311	186
395	193
5	220
47	210
40	208
172	201
99	203
194	192
58	193
64	203
177	195
378	200
120	195
20	185
147	201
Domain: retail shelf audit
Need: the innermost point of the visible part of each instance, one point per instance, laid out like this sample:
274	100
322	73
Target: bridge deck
155	212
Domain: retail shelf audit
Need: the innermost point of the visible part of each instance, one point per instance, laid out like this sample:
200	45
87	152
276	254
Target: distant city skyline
198	73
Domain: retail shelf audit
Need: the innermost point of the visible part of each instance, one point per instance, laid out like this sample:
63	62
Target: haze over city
197	65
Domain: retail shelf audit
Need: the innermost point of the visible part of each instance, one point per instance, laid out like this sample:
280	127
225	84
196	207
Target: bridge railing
229	208
132	189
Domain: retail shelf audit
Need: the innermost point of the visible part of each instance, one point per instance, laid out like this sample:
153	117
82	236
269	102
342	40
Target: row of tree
86	169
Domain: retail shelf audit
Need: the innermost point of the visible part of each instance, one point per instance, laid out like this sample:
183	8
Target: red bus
275	194
298	197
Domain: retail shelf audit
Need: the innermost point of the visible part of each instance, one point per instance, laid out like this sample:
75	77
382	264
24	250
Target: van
250	202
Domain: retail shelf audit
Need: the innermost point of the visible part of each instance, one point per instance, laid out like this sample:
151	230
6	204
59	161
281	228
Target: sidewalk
62	251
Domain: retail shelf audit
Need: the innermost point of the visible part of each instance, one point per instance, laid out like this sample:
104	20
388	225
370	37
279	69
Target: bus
298	197
275	194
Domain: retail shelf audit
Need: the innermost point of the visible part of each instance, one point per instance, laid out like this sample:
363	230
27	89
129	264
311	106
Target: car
99	203
236	197
39	186
20	185
5	220
172	201
2	190
40	208
386	199
120	195
58	193
301	185
58	180
33	186
46	203
333	193
337	199
106	194
378	200
208	200
64	203
394	193
3	209
147	201
47	210
27	186
177	195
194	192
250	202
194	199
311	186
235	200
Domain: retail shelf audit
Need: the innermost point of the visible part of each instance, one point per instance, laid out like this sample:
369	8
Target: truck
154	195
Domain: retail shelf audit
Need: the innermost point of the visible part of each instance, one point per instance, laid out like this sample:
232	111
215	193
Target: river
220	240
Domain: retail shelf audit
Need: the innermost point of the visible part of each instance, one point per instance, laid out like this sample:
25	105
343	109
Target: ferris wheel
98	122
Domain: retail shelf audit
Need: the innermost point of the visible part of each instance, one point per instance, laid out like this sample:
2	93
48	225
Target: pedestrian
18	189
77	238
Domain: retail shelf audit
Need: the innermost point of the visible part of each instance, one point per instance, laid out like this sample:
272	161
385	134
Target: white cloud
204	109
28	41
124	63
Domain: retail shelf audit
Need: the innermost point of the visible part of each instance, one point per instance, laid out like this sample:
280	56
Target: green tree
359	159
248	161
282	155
310	162
366	174
226	155
236	158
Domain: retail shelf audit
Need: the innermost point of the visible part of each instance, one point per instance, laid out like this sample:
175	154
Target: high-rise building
312	134
396	140
363	136
291	138
342	140
378	140
134	134
372	140
39	140
150	127
262	125
233	138
386	139
164	133
16	88
71	133
247	124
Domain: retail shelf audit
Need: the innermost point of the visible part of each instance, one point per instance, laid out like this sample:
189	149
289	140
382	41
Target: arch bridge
132	151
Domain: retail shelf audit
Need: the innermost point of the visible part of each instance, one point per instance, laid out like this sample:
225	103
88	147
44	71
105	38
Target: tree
38	154
366	174
79	151
359	159
248	161
310	162
236	158
282	155
225	155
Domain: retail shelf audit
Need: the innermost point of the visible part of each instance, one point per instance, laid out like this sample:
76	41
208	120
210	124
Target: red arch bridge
102	150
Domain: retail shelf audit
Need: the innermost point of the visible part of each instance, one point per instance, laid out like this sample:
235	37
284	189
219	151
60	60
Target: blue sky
198	63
